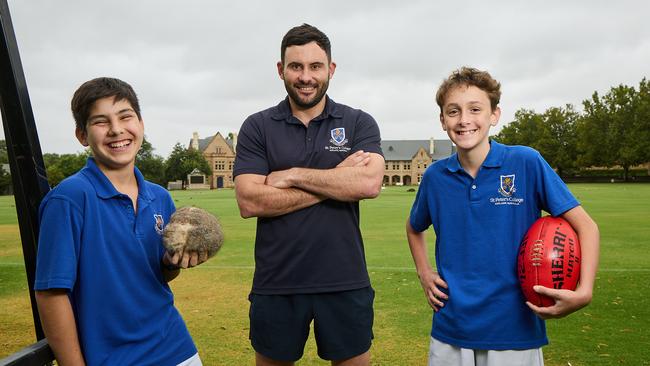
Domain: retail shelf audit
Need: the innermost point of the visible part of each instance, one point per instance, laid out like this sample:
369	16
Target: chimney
431	147
195	141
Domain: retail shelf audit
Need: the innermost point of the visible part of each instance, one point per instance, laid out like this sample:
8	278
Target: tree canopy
613	130
182	161
151	166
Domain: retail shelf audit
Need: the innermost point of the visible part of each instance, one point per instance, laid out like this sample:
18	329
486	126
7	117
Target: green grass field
613	330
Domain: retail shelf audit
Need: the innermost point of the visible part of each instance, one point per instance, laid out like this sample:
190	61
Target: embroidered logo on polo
507	191
338	136
507	185
159	223
338	140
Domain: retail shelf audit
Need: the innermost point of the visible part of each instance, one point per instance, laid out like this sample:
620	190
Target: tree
557	141
4	158
643	121
525	130
551	133
151	166
59	167
593	129
5	176
183	161
614	130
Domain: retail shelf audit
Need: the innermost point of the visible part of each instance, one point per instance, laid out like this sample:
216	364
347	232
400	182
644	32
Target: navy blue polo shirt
93	244
319	248
479	223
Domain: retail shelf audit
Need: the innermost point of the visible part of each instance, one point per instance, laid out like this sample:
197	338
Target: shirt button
473	186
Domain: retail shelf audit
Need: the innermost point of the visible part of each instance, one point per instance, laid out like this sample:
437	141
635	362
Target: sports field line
370	268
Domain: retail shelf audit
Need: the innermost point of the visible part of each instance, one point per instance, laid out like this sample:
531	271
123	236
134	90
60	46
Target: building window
419	178
220	165
386	167
395	166
407	166
230	165
425	165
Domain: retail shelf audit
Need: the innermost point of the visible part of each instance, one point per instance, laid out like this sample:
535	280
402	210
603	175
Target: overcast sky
205	66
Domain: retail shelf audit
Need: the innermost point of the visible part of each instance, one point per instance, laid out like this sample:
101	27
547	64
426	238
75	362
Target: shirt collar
494	159
282	111
105	188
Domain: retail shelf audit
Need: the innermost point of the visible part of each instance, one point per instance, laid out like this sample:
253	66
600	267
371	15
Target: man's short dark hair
303	34
92	90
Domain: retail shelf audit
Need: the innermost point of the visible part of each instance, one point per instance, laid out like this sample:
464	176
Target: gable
218	146
421	154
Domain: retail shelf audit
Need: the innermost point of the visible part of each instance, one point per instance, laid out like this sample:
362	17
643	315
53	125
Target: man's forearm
343	183
256	199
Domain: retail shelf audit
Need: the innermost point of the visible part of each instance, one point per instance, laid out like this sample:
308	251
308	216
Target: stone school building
406	160
219	152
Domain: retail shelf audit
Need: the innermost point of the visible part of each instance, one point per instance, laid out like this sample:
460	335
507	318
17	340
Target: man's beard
321	89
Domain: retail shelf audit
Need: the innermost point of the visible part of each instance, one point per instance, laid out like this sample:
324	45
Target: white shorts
443	354
192	361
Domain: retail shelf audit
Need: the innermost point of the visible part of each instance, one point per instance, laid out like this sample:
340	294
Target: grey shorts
443	354
192	361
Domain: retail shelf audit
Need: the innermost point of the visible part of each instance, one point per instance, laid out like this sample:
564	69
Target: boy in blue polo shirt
481	317
102	272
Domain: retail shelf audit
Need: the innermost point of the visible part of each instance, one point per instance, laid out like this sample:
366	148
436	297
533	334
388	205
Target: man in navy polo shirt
301	168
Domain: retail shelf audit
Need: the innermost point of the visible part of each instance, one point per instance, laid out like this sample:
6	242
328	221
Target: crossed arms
357	177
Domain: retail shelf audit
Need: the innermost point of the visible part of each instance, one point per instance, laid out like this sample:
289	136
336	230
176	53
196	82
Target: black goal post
28	175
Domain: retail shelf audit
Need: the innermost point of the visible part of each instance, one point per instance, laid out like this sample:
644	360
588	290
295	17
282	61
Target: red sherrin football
549	255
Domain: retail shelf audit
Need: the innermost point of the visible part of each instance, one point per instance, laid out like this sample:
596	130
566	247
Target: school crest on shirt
338	136
338	141
507	185
159	223
506	191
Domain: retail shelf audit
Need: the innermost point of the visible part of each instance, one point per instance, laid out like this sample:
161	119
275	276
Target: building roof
204	142
401	150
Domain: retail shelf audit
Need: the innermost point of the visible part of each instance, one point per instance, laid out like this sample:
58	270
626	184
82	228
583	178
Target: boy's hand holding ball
192	236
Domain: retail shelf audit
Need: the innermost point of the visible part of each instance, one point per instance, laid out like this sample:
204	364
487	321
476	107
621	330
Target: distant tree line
155	169
612	131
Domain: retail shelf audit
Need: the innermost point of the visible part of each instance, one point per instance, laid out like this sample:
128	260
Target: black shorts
342	324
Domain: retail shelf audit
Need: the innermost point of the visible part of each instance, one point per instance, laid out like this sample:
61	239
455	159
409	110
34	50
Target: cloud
206	65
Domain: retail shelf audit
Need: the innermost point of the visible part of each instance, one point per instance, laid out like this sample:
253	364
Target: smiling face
306	72
467	117
114	133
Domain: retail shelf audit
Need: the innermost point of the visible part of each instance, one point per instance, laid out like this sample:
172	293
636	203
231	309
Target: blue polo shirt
318	248
94	245
479	224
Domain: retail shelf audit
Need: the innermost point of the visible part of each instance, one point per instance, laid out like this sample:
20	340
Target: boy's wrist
423	272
